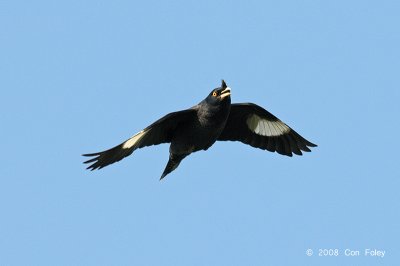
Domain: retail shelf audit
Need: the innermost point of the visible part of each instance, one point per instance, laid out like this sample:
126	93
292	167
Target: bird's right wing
159	132
255	126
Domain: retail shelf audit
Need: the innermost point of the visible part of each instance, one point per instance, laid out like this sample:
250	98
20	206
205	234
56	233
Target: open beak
225	93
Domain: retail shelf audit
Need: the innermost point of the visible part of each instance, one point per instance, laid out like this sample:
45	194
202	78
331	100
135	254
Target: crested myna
199	127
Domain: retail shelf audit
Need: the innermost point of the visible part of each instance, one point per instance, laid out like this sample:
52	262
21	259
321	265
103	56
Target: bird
213	119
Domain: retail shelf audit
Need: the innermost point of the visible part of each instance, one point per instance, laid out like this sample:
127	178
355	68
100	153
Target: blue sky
82	76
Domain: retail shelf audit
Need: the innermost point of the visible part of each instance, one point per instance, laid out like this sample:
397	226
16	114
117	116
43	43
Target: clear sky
83	76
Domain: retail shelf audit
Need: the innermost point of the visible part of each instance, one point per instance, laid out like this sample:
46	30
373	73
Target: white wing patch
265	127
133	140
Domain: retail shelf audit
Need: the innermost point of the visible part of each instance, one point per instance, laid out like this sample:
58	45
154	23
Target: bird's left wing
159	132
253	125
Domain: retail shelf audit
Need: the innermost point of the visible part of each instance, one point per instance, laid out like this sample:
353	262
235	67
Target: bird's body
199	127
210	122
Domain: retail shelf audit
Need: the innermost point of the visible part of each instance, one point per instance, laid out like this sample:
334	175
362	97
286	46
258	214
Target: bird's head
219	95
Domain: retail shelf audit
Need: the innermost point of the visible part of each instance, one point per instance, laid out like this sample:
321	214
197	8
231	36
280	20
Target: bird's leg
173	163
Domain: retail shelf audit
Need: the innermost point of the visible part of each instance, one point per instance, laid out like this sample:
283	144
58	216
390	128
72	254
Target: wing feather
253	125
159	132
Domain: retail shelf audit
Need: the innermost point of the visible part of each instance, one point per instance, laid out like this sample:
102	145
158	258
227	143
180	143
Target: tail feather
173	163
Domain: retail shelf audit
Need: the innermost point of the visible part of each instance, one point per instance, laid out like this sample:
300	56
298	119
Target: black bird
199	127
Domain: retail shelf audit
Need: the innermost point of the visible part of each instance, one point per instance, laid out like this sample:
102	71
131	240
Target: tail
173	163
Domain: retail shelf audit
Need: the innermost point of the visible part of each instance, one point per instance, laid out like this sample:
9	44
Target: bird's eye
215	94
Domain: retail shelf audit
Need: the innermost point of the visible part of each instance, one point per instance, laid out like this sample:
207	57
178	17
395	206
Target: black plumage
199	127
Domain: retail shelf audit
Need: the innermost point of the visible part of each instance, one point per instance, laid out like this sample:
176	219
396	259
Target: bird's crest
223	85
